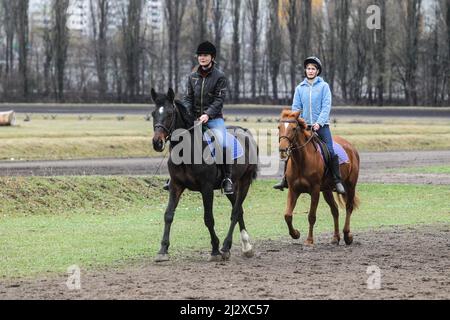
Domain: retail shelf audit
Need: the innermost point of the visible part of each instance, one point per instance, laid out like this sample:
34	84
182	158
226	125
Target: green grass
425	170
104	136
67	137
48	224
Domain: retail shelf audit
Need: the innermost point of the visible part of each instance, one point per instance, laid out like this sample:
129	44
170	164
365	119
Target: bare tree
330	44
48	54
60	43
131	33
292	11
236	50
343	15
201	18
381	53
9	19
447	22
100	10
411	51
174	11
305	38
218	8
274	45
23	39
253	17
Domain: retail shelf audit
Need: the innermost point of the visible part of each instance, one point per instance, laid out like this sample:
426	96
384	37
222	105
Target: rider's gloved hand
204	119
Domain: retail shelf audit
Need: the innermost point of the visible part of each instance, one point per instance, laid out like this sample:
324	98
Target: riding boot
167	185
283	183
335	167
227	183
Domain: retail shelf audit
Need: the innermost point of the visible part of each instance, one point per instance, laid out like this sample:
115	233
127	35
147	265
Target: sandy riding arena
413	264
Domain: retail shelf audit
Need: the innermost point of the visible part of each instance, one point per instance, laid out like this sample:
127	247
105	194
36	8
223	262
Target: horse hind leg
247	248
238	216
208	199
329	198
351	204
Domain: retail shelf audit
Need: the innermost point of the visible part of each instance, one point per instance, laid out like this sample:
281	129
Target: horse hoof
296	235
309	243
162	258
226	255
216	258
335	241
348	238
248	254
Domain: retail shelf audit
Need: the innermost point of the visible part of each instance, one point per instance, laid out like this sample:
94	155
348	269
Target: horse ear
302	124
171	95
154	95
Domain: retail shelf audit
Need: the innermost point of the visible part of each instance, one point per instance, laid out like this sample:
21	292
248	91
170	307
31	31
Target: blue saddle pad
233	144
340	151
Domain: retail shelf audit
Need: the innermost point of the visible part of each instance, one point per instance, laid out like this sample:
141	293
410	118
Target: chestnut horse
306	173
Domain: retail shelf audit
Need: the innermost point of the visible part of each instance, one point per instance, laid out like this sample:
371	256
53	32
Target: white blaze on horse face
286	125
161	110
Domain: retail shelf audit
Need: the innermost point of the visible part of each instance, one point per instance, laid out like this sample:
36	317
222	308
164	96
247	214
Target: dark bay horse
170	117
306	173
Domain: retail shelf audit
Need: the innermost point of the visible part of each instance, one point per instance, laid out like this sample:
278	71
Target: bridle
171	129
293	143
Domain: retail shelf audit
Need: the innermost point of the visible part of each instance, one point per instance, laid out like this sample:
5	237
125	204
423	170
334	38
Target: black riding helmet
316	61
207	48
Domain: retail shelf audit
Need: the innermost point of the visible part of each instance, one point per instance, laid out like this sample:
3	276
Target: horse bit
294	145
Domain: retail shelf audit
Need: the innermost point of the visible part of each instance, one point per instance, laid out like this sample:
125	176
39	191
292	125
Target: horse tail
255	167
342	200
252	148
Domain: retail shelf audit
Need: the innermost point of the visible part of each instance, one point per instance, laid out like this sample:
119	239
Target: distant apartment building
79	21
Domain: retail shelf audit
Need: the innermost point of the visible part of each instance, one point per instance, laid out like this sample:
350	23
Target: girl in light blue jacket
313	99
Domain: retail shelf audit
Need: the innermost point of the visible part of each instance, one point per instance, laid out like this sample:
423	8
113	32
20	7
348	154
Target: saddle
325	153
232	142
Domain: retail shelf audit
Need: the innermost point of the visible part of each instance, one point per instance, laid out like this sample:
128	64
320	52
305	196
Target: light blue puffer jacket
314	102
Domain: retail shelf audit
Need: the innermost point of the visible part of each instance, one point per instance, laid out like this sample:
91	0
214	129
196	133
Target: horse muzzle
284	154
159	144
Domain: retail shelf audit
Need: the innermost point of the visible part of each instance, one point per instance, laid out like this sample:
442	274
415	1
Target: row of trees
401	56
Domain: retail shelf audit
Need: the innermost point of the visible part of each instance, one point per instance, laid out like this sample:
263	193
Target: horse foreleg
329	198
175	195
315	196
291	203
208	201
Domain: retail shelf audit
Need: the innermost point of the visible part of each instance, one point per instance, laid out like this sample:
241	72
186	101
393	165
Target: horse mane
186	115
288	114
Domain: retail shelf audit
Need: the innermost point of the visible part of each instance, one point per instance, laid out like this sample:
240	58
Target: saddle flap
338	150
232	143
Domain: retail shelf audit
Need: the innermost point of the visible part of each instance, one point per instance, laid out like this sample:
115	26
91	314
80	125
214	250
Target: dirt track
373	167
414	264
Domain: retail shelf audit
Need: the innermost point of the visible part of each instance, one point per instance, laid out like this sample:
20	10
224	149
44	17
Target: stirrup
229	192
281	185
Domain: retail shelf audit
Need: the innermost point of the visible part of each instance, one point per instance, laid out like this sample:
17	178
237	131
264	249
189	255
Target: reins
293	145
170	131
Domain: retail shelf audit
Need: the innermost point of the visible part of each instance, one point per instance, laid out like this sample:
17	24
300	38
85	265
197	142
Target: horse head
289	128
164	118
